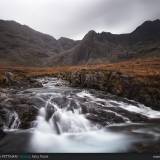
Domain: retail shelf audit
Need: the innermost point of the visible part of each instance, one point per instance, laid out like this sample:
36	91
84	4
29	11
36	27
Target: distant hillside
107	47
21	45
67	43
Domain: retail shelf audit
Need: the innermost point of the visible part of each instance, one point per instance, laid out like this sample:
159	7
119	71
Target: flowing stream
77	120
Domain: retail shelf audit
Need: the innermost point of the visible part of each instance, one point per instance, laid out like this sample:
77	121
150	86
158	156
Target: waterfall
61	120
64	128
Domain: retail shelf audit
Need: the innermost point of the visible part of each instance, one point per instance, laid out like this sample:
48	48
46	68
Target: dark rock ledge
11	80
145	91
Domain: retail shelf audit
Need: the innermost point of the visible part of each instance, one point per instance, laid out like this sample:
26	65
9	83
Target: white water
68	131
67	122
129	107
77	134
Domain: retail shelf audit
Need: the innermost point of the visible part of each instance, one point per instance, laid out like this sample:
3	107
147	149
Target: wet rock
98	114
9	118
56	120
17	111
2	134
50	109
27	114
105	118
152	147
62	101
111	113
28	83
116	83
36	101
132	116
59	84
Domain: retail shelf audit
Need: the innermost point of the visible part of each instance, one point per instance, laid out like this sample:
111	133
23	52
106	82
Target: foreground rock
17	111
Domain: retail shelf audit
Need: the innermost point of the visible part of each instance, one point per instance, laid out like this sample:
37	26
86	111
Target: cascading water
62	126
76	120
70	131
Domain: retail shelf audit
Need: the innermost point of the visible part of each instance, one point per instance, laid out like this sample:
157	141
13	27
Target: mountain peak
90	35
65	39
152	22
149	26
66	43
92	32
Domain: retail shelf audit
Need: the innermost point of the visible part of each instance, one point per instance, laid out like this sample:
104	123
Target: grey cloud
73	18
121	15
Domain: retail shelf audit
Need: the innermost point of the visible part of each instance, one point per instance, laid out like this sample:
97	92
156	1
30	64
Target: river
75	120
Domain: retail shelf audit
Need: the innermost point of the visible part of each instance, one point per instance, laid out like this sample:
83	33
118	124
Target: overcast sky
74	18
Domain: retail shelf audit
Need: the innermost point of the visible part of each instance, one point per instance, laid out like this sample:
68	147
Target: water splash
69	131
64	129
76	134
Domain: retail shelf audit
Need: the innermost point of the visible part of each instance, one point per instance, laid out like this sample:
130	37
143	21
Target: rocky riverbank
55	109
144	90
16	111
137	81
14	80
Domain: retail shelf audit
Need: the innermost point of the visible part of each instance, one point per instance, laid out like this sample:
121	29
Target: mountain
21	45
148	31
67	43
107	47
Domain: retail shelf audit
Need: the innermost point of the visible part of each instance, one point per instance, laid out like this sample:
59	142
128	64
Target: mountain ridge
21	45
105	46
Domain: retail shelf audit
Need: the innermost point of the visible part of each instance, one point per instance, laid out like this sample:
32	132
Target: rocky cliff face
106	47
